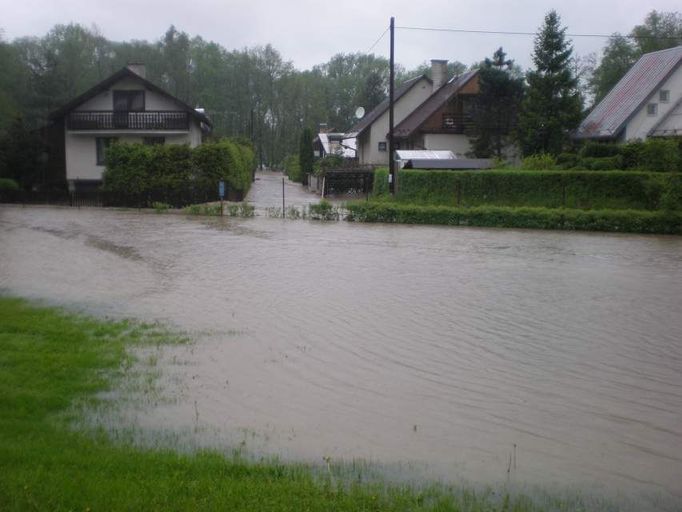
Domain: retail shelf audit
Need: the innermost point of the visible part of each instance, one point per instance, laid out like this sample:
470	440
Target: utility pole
391	84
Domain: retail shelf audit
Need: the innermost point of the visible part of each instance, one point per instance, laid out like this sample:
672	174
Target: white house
125	107
646	102
428	115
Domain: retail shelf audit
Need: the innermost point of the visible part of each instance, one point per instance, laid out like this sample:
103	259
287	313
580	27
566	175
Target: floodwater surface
548	358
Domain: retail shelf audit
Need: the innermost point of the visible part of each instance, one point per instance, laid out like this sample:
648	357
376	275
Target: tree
305	155
552	107
497	106
22	155
619	56
660	30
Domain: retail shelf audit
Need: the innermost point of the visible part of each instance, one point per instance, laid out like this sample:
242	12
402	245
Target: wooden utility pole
391	86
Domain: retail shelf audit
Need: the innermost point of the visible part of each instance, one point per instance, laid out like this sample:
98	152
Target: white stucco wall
369	153
105	99
457	143
641	123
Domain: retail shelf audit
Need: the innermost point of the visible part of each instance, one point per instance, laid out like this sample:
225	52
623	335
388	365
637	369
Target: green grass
50	360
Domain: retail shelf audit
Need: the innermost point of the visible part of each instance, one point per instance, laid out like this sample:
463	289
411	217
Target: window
664	96
152	141
652	109
382	146
129	101
102	143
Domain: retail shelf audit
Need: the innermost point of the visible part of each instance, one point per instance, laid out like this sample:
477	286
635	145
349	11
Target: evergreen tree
497	106
552	107
305	155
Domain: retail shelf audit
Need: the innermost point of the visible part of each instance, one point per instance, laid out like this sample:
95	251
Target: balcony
457	123
147	120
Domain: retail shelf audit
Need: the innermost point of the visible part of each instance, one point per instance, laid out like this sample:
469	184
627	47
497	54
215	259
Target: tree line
255	93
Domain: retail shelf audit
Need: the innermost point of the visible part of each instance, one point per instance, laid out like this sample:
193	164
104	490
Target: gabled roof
609	117
119	75
431	105
382	107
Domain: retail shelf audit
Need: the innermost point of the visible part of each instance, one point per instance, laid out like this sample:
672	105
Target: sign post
221	194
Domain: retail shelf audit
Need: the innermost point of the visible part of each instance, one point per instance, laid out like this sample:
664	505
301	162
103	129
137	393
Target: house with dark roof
429	114
124	107
646	102
371	132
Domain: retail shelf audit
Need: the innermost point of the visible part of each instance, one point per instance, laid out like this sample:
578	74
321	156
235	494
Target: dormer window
664	96
129	101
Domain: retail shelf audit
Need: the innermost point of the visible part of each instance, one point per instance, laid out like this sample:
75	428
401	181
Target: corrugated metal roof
412	122
425	154
382	107
608	118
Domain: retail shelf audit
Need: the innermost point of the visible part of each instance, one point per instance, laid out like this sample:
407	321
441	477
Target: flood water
439	347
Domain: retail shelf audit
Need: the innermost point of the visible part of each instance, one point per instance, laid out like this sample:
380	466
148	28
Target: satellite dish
360	112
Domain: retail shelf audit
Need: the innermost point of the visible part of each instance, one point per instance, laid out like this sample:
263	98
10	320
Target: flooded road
408	345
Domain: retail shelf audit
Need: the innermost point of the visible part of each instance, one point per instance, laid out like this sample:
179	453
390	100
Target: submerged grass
50	360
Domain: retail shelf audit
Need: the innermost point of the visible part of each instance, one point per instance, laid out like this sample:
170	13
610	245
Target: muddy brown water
429	346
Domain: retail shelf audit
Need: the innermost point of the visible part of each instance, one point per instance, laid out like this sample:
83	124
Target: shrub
535	218
8	184
599	150
160	207
539	162
324	210
660	155
550	189
292	168
567	160
605	163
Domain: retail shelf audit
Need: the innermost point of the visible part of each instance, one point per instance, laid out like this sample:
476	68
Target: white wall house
428	115
646	102
127	108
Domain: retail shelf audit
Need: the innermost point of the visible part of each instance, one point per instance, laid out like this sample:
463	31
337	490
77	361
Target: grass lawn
50	360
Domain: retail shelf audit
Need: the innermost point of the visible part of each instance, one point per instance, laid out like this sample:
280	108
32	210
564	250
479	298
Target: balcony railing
109	120
457	123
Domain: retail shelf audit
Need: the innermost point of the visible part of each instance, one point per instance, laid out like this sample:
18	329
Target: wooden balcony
110	120
457	123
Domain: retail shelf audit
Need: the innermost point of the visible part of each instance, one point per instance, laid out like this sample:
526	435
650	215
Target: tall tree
497	106
305	156
618	57
552	107
660	30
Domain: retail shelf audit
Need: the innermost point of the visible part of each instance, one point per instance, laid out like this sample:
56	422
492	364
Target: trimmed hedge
629	221
139	168
617	190
8	184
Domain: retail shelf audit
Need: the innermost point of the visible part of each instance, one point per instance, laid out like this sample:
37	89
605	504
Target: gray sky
309	32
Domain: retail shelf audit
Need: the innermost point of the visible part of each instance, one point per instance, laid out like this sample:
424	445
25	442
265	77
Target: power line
377	41
513	33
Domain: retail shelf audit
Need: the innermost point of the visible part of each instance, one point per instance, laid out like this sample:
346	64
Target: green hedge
8	184
550	189
137	168
630	221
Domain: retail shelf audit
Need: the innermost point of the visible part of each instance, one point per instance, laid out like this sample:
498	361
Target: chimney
137	68
439	73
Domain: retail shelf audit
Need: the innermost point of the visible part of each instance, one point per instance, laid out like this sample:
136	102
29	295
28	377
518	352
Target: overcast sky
309	32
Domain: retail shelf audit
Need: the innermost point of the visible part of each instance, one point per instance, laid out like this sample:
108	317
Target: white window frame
652	109
664	95
382	146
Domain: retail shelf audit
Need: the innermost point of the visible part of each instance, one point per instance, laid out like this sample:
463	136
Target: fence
351	181
101	198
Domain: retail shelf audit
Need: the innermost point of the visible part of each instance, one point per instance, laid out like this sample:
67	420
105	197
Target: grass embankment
50	360
636	202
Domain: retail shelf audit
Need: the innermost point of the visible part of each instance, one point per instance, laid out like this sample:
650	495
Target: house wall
460	145
641	123
81	150
368	146
673	124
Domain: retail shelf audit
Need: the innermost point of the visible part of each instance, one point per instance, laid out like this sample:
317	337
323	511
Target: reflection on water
430	345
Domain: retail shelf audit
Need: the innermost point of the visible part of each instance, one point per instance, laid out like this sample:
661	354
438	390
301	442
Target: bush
324	210
549	189
292	168
605	163
535	218
660	155
8	184
567	160
599	150
539	162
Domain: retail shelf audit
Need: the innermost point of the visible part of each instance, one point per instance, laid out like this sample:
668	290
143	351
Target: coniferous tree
552	107
306	154
497	106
